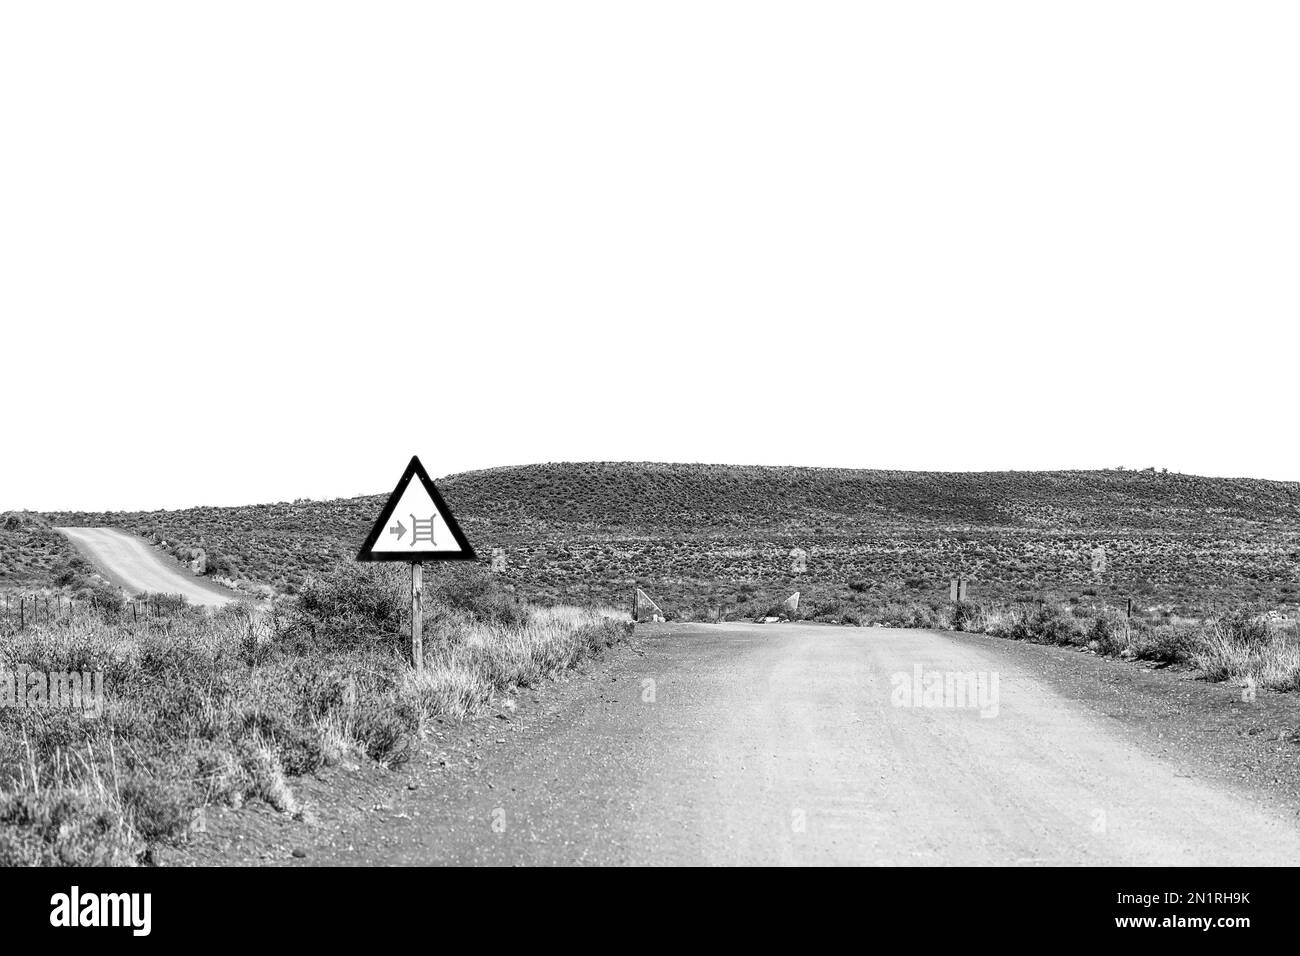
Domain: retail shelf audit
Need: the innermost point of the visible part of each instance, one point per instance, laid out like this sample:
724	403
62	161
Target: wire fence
23	611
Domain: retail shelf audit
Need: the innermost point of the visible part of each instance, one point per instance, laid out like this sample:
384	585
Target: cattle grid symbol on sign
433	535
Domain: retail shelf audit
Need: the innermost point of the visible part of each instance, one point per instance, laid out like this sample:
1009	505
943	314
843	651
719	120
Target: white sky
252	251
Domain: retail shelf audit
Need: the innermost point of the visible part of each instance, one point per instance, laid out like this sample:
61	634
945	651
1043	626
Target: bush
780	610
1244	647
296	743
1046	623
103	598
386	735
996	621
966	617
72	572
478	594
1053	623
1107	631
1245	630
158	809
219	565
353	600
901	614
1165	643
62	829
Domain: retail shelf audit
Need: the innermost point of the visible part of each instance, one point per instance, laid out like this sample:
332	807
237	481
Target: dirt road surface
130	562
793	744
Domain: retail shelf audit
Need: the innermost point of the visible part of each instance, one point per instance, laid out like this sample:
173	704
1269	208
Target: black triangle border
414	470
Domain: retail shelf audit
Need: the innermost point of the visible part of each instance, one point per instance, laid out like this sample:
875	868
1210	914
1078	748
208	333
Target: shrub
1107	631
1165	643
1054	623
480	595
906	614
353	600
996	621
219	565
1245	630
780	610
296	743
63	829
262	764
1243	647
967	617
71	572
158	809
385	735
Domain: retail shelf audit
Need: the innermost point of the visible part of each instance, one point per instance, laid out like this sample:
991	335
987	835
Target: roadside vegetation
1260	648
203	708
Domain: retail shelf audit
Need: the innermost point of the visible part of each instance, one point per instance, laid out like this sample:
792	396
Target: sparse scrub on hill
31	551
696	535
205	708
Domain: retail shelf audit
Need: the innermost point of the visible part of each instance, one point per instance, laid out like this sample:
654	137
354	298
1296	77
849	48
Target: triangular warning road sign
416	525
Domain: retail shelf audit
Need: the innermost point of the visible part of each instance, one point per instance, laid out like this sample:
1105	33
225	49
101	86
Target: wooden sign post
417	615
431	535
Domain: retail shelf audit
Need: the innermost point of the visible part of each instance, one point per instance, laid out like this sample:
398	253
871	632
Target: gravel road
130	562
797	744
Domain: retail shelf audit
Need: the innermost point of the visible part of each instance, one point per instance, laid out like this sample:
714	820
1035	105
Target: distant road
130	562
788	743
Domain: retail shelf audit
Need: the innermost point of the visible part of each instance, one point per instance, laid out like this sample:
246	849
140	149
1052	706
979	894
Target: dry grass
478	661
1244	647
1251	650
222	708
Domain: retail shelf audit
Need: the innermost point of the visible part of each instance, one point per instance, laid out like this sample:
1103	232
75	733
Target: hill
31	551
705	538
